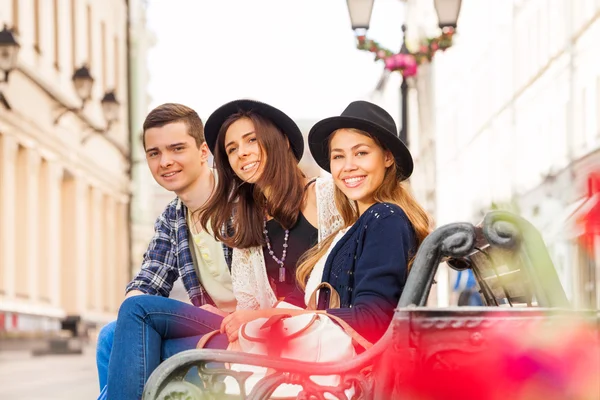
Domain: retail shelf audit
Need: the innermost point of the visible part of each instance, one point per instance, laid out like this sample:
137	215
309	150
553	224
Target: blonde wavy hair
392	190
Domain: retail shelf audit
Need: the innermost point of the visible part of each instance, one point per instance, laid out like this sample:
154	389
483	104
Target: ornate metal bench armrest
452	240
288	371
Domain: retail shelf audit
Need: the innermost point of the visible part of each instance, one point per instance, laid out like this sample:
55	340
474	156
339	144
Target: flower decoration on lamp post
405	61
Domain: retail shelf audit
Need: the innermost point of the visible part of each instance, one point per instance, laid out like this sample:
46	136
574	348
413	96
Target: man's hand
214	310
231	323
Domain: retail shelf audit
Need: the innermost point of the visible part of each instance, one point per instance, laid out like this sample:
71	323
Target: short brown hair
169	113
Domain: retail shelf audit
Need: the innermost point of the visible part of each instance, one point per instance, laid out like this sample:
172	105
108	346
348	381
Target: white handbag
312	336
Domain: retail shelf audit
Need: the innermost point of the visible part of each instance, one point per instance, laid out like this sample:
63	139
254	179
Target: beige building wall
515	105
64	241
143	213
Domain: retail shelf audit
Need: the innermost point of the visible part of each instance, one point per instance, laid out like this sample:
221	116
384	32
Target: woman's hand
231	323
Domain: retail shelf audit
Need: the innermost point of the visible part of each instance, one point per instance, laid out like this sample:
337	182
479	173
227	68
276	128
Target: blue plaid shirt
169	257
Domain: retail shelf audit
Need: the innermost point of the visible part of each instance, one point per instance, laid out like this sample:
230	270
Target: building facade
143	212
514	116
64	172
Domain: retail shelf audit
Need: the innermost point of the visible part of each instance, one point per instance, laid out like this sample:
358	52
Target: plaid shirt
168	257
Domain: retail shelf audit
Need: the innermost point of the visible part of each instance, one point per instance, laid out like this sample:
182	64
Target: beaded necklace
272	253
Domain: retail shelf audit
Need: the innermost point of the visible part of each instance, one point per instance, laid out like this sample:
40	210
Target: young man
177	155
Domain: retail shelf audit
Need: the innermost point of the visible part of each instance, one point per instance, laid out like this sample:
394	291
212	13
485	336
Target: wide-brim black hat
366	117
276	116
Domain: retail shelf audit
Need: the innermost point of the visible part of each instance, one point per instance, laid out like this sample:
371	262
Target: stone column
32	223
69	269
122	265
80	242
52	232
27	223
8	159
96	252
112	262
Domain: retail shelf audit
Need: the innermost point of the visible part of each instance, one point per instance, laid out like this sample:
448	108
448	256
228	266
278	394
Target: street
24	377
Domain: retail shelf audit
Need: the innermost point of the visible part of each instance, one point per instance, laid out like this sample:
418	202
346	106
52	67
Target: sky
299	56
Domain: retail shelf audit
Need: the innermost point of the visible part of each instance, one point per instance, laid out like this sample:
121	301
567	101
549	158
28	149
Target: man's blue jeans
105	344
148	330
103	349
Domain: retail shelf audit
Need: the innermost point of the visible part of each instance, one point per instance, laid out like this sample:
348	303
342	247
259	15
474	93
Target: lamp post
360	15
404	94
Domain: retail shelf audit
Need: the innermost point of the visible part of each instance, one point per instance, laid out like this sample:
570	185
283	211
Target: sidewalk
65	377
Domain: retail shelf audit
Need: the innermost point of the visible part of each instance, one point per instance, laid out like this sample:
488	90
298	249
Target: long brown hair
392	191
247	202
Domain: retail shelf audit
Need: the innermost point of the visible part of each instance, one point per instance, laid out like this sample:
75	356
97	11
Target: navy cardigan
368	268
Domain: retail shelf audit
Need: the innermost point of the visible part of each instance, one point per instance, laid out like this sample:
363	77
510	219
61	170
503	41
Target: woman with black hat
278	213
368	259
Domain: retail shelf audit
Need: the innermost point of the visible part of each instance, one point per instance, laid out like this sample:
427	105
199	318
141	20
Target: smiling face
358	165
173	157
244	153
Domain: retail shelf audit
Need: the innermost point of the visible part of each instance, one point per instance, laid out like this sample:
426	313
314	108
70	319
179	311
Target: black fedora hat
366	117
277	117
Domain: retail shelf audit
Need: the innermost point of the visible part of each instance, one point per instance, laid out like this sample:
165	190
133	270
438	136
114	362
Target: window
598	105
103	55
15	15
36	25
90	59
578	123
116	61
589	117
586	271
74	33
56	35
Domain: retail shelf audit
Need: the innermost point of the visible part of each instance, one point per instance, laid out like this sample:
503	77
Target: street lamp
447	12
9	50
83	82
360	13
110	107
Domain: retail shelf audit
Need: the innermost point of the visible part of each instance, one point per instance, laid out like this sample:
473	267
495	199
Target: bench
518	284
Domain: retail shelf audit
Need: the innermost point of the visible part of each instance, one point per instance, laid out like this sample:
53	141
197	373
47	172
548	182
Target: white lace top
248	271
